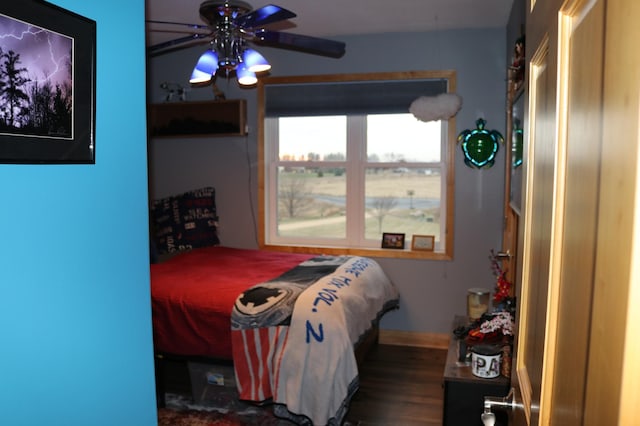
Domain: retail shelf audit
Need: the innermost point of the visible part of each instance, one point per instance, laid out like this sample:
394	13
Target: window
342	163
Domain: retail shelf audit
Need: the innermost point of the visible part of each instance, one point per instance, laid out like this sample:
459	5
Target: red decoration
503	286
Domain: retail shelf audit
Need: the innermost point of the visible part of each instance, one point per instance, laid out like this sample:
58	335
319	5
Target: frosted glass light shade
205	68
254	61
245	77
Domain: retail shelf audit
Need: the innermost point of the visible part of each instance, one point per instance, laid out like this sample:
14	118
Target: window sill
384	253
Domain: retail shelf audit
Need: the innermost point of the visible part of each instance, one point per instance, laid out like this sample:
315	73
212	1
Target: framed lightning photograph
47	94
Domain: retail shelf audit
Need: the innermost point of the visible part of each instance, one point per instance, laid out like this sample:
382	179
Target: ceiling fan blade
317	46
164	47
265	15
194	26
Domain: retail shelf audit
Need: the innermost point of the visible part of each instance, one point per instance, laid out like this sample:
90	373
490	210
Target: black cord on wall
250	192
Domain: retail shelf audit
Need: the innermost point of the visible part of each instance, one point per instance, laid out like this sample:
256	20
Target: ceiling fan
230	27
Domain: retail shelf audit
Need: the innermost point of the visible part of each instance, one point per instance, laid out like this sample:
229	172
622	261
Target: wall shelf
198	119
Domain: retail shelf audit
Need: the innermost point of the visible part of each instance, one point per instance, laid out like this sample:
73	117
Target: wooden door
561	212
574	342
512	184
537	226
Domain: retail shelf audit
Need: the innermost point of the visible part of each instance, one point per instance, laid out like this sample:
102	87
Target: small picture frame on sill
423	242
392	241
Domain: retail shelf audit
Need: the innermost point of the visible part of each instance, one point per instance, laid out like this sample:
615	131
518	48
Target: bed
293	325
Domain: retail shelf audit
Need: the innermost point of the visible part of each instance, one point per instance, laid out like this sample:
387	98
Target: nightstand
464	393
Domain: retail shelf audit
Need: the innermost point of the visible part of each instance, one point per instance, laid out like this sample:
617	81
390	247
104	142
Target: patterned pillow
185	221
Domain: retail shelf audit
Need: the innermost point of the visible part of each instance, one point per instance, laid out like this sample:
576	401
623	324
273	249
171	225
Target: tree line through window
341	181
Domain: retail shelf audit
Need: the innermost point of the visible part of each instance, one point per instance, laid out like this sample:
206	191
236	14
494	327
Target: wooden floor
399	385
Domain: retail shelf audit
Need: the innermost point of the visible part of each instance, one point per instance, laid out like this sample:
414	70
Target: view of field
397	201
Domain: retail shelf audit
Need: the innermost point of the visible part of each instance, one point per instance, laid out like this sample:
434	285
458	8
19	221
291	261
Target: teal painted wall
75	318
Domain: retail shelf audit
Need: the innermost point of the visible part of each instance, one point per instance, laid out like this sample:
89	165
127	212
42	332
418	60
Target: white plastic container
207	379
486	361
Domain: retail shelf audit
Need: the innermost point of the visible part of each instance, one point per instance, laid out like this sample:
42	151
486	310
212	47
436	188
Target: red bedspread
193	295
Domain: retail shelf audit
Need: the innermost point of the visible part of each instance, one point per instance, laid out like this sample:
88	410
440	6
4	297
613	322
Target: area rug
223	410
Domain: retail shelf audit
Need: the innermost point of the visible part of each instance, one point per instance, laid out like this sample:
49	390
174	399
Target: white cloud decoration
432	108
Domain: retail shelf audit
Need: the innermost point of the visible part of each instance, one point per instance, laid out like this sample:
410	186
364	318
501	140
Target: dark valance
348	98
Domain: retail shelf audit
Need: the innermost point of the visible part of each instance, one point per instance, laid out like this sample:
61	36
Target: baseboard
410	338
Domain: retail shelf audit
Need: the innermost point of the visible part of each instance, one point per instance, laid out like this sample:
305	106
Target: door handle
502	403
488	419
502	255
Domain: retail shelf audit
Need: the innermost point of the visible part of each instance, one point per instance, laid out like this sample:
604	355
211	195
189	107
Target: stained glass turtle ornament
517	144
479	145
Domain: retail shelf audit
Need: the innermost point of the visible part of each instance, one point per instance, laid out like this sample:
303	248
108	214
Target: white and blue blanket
294	336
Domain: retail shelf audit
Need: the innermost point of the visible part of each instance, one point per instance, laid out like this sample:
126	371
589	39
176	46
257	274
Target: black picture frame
392	241
53	120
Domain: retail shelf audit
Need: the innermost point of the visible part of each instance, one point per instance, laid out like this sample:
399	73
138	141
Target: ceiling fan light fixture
233	24
245	76
254	61
205	67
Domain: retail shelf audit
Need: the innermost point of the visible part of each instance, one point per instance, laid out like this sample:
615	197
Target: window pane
397	166
406	202
313	138
311	202
402	138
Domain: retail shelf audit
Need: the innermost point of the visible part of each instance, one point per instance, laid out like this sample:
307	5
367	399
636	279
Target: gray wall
516	25
431	291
